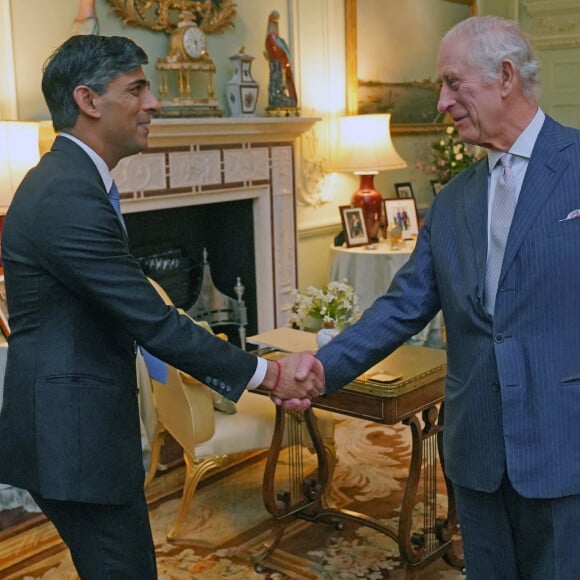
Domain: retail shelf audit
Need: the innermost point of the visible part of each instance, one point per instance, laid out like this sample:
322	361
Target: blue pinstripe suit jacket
513	383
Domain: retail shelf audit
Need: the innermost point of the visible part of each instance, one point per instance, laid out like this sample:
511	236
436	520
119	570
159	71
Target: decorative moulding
553	24
542	7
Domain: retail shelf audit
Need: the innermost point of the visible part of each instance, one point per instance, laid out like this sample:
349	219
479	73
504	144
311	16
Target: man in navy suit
512	404
80	304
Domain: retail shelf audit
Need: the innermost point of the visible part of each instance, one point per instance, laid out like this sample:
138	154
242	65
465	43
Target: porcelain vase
242	90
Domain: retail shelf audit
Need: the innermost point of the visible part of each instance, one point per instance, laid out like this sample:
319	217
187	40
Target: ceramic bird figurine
281	89
86	21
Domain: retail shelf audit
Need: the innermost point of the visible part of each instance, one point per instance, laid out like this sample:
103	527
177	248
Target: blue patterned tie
502	212
115	200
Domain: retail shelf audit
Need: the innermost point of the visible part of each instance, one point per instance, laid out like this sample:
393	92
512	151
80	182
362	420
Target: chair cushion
252	427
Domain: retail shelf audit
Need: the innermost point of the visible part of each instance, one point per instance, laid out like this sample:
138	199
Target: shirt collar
524	144
99	162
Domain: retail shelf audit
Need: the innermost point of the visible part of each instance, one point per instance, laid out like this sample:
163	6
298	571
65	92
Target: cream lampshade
18	153
365	148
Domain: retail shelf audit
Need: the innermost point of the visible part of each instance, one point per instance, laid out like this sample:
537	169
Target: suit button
495	387
498	337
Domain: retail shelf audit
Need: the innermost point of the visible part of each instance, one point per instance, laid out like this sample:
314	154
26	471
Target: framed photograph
436	186
3	309
403	212
404	190
391	85
353	223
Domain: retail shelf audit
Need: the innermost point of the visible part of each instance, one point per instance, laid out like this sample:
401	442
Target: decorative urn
242	90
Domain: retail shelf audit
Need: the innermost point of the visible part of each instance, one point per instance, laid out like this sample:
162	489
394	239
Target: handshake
294	380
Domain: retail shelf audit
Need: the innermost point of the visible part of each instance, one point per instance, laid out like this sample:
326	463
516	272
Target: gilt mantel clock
186	72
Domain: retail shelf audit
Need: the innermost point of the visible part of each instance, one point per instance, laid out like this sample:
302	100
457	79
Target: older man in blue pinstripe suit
512	434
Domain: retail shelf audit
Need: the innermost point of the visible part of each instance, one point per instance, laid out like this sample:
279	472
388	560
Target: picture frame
354	227
412	101
403	211
404	190
436	186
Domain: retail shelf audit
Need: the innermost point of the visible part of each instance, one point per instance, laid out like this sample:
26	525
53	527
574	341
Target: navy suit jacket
79	303
513	382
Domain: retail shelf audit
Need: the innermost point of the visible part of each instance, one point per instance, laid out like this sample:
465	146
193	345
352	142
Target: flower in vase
335	306
449	156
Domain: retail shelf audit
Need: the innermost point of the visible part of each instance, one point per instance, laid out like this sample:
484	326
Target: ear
508	77
85	99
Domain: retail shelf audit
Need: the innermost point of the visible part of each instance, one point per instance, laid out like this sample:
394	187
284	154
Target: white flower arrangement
336	305
449	156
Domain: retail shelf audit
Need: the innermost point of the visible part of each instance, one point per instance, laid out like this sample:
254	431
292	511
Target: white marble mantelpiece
202	161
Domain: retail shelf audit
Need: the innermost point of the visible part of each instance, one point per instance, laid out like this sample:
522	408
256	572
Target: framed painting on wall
385	73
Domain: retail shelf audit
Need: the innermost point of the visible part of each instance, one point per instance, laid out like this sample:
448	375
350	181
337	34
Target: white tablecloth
370	271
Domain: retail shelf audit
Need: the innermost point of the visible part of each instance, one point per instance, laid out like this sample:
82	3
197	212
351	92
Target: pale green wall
318	44
320	62
39	26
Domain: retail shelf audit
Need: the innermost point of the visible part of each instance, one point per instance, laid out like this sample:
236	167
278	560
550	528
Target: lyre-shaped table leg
305	493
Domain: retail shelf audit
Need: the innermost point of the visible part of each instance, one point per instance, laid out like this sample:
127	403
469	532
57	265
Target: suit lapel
545	167
84	164
475	202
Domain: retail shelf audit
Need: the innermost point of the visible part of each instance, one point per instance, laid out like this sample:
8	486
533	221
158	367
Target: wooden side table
417	394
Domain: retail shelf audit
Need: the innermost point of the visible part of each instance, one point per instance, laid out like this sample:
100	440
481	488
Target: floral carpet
229	524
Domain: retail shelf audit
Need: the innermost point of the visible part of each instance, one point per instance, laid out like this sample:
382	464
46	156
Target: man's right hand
301	376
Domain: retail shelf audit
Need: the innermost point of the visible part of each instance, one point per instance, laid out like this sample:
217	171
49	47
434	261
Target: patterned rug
229	524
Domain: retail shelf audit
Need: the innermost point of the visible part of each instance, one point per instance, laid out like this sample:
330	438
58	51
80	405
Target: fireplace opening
225	229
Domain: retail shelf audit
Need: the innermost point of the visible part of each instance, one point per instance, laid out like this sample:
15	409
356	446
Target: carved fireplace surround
210	161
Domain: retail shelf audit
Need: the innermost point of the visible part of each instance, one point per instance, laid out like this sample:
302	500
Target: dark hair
88	60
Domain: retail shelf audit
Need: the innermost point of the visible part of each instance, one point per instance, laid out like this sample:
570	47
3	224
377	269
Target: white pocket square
572	215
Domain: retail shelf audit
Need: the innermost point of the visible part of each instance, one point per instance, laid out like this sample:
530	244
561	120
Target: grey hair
493	39
88	60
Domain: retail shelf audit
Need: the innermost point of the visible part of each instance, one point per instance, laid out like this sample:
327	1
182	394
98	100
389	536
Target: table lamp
18	153
365	148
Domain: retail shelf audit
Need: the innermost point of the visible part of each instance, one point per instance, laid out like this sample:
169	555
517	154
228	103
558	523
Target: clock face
194	42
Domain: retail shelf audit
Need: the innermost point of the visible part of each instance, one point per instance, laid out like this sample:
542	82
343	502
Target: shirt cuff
259	374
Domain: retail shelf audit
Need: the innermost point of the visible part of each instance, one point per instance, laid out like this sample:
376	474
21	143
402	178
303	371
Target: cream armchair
187	409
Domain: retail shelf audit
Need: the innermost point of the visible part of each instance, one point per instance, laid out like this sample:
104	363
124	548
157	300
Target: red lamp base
371	203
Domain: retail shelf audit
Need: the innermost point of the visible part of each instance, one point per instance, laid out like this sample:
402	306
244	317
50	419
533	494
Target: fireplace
225	230
227	185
